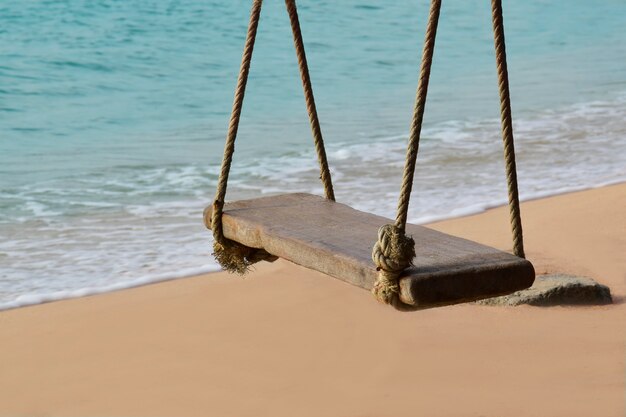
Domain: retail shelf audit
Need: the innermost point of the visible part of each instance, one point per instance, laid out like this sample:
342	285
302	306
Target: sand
291	342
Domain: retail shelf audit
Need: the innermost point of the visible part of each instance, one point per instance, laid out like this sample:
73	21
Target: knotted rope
394	251
392	254
231	255
390	260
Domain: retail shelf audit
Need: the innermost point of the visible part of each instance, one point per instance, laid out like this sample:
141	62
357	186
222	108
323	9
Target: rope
418	114
390	261
507	128
392	254
310	100
231	255
394	251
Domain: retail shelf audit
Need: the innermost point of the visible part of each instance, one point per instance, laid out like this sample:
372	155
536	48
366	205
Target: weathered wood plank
337	240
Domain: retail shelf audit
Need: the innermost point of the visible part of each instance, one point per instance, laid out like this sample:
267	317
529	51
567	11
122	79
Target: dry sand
291	342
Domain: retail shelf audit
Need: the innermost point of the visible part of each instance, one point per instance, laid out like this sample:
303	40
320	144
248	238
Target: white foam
134	227
39	298
481	208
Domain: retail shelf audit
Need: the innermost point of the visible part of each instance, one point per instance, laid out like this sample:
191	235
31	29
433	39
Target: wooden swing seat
337	240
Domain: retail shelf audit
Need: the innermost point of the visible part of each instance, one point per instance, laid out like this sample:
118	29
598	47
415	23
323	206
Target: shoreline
425	221
290	341
27	300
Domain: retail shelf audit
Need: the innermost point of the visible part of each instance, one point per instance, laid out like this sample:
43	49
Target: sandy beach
287	341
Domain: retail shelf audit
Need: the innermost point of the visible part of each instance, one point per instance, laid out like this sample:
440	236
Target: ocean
113	116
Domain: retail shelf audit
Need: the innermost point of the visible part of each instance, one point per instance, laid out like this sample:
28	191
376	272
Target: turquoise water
113	115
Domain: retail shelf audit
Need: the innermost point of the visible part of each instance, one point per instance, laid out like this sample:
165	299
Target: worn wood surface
337	240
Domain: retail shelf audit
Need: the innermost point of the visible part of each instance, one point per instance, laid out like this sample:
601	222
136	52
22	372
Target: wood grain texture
337	240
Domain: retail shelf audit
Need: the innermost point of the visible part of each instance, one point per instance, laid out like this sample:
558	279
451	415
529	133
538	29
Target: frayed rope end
234	257
237	258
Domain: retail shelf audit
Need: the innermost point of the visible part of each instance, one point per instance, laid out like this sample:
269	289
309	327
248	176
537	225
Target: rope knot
393	253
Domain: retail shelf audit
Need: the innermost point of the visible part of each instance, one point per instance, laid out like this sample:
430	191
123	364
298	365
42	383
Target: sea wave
69	237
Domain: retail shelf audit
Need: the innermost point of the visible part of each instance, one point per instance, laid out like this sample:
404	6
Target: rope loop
233	256
393	253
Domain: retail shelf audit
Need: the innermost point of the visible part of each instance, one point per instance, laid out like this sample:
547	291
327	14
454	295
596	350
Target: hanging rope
310	100
394	251
231	255
507	128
